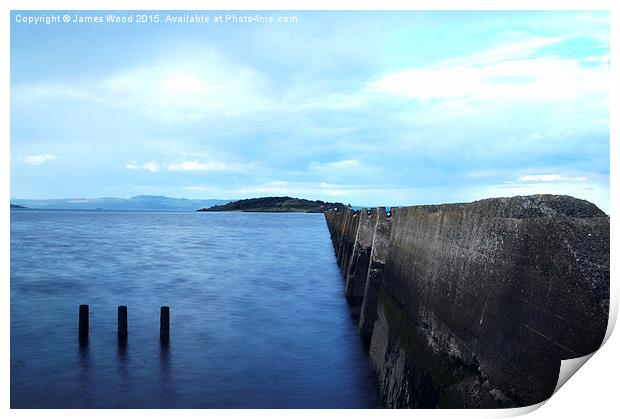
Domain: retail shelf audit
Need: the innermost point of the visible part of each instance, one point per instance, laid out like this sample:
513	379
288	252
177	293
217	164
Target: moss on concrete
435	376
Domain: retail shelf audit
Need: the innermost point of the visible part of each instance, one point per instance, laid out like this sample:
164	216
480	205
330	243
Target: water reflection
84	352
168	391
84	361
164	356
121	355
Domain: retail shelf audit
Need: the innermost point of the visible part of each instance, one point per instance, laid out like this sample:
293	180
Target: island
277	204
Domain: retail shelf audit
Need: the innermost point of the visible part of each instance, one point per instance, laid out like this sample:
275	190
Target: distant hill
136	203
276	204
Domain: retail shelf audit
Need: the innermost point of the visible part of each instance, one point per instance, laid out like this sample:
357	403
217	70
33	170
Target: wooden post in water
164	323
122	322
83	320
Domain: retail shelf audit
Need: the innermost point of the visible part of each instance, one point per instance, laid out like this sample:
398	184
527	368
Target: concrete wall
474	305
374	276
343	233
357	269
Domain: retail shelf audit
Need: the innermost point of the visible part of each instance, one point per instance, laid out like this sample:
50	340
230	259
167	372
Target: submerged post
122	322
83	328
164	323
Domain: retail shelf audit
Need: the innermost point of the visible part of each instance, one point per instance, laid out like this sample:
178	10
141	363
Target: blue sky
368	108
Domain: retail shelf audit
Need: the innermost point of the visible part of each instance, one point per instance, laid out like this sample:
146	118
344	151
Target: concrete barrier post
83	324
122	322
378	258
357	266
164	323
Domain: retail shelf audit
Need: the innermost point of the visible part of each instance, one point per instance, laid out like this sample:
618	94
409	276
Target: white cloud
150	166
33	93
604	59
550	178
539	178
505	73
210	166
189	90
209	85
39	159
188	166
186	84
341	165
297	189
200	188
481	174
182	89
508	52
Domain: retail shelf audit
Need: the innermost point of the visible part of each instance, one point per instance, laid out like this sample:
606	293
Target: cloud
550	178
190	89
150	166
298	189
178	89
539	178
33	93
507	52
341	165
39	159
210	166
505	73
406	113
200	188
188	166
195	89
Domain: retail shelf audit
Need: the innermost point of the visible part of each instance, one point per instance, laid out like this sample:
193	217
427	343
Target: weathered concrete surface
374	278
480	302
348	220
411	374
357	269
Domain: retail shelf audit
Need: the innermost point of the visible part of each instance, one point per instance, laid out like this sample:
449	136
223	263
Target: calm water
258	317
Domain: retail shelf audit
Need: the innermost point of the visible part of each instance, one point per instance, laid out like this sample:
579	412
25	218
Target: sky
368	108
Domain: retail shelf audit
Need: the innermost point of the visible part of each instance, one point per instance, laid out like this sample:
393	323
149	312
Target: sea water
258	315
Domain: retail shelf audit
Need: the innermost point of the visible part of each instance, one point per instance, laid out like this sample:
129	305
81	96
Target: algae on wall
427	379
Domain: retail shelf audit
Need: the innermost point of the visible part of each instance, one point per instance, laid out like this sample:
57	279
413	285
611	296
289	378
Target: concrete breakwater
475	305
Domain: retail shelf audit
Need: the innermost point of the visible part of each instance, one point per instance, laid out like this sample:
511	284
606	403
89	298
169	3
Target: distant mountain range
276	204
136	203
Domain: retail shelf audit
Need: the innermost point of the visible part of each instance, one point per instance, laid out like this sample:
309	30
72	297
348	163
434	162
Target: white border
591	394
